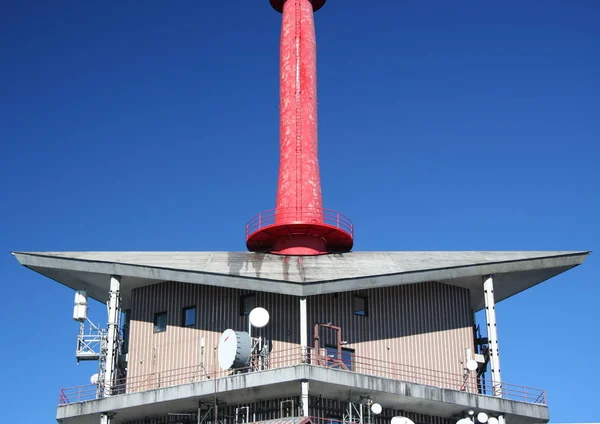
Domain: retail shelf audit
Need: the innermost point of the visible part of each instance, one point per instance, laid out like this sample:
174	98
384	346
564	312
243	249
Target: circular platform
305	232
278	4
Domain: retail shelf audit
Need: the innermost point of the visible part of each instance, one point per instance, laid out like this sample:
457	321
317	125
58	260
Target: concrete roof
302	275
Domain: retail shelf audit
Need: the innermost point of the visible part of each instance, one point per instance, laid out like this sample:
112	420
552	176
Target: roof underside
302	275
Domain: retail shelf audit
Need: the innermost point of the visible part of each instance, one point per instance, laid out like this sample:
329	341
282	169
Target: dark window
247	303
160	322
188	316
347	357
360	306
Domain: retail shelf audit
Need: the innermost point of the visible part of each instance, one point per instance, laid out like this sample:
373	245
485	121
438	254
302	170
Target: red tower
298	225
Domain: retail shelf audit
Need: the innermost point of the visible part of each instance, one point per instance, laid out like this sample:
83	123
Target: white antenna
472	365
464	421
376	408
259	317
94	378
80	308
492	420
235	349
482	417
402	420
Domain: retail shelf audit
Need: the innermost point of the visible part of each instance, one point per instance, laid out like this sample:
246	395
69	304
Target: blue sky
443	126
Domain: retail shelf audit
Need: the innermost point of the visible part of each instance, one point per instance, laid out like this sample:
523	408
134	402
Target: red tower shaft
299	187
299	225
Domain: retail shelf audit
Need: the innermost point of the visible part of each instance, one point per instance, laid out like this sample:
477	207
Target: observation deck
395	385
277	230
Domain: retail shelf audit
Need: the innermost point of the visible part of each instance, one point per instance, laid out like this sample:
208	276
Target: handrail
295	356
299	216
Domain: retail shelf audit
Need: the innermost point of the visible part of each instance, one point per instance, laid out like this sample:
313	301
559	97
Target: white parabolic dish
234	349
259	317
472	365
376	408
401	420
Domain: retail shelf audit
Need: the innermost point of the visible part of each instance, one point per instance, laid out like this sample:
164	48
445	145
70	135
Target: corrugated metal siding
217	309
425	325
270	409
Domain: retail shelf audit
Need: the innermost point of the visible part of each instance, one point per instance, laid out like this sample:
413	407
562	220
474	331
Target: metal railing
299	216
295	356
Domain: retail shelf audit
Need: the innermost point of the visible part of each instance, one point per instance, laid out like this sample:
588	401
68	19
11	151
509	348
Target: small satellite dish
402	420
464	421
259	317
94	378
235	348
492	420
482	417
472	365
376	408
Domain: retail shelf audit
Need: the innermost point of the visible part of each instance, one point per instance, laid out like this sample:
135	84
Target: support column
305	398
492	332
107	418
304	346
114	308
303	329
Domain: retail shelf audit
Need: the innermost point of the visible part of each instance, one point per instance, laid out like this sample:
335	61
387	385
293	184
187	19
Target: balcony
355	365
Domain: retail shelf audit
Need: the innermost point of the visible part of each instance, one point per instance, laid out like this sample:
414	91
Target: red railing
295	356
299	215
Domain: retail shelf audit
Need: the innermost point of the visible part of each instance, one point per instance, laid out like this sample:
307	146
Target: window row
188	319
247	303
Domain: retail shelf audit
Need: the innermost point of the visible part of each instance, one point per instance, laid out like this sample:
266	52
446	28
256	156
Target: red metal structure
298	225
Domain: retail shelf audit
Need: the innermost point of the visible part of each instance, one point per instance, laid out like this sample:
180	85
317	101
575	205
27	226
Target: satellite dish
235	348
94	378
464	421
472	365
259	317
482	417
402	420
376	408
492	420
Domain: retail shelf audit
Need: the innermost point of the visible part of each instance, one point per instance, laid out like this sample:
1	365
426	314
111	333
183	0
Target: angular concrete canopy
302	275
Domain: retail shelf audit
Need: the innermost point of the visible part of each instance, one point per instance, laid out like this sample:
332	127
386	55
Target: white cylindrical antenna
80	308
202	342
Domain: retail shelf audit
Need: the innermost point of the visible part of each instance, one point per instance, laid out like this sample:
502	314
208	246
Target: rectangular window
347	357
188	316
247	303
360	306
160	322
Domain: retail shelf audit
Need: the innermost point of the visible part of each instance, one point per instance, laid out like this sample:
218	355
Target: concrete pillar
492	332
114	308
303	329
107	418
305	398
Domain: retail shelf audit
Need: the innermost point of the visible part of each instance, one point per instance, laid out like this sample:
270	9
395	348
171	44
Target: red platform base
267	233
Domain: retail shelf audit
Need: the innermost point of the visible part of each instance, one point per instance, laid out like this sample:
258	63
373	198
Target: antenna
235	349
259	317
376	408
80	308
472	365
402	420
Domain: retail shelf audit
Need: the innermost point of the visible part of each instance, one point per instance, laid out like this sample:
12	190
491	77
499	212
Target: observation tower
299	225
